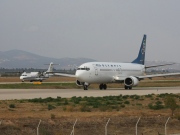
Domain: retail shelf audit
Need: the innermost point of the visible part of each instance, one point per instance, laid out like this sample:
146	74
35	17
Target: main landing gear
102	86
127	87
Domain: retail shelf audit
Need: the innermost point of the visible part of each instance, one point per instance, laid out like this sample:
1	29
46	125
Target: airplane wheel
104	86
85	87
126	87
101	86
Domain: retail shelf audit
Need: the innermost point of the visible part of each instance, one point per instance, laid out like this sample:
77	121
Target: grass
69	83
72	85
58	114
55	113
41	86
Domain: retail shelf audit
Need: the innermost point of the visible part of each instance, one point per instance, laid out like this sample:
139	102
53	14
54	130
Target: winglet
141	56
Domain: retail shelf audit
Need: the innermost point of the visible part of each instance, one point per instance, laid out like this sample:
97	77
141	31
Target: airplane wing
122	78
65	75
157	75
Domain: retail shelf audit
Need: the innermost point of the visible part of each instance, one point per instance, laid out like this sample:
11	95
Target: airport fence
90	126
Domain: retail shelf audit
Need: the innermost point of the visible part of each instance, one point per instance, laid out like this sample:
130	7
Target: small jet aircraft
37	76
113	72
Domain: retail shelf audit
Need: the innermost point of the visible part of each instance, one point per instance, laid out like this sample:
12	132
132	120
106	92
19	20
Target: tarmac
11	94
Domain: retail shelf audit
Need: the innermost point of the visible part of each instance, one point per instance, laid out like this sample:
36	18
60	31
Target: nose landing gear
85	86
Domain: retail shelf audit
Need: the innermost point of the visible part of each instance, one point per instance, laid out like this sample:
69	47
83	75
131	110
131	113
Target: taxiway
8	94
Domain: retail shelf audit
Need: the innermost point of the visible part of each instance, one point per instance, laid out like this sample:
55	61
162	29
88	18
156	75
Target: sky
104	30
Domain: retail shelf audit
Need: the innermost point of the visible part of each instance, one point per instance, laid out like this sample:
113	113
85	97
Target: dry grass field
21	117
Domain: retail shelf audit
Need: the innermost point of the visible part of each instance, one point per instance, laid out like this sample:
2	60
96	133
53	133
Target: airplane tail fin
141	56
50	69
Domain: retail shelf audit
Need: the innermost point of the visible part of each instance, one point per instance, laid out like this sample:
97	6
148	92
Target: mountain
23	59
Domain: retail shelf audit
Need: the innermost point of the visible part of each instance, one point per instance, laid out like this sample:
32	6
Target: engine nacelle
131	81
78	83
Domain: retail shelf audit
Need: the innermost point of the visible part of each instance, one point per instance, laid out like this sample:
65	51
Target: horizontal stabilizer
159	65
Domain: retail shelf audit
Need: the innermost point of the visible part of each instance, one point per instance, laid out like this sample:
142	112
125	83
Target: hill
23	59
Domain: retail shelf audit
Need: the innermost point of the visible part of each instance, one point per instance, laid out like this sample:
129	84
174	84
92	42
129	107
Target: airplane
37	76
103	73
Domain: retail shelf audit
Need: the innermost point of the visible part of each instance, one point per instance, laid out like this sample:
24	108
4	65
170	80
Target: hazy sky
105	30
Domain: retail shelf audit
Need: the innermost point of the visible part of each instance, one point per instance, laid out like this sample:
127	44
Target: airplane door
96	70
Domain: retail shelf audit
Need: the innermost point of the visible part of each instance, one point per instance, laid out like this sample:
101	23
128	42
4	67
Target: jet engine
79	83
131	81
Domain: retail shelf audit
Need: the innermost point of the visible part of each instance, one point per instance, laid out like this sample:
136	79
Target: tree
170	102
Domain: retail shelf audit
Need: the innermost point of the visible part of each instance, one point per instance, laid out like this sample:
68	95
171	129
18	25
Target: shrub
50	107
170	102
12	106
85	108
158	102
66	102
156	106
126	102
148	96
136	97
95	106
58	104
125	96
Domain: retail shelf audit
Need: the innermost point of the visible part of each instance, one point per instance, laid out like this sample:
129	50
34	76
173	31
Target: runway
8	94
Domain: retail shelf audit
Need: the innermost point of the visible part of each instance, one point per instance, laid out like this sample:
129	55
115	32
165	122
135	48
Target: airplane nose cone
79	75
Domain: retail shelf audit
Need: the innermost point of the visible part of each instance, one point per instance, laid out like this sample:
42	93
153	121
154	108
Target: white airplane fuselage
37	76
33	76
108	72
